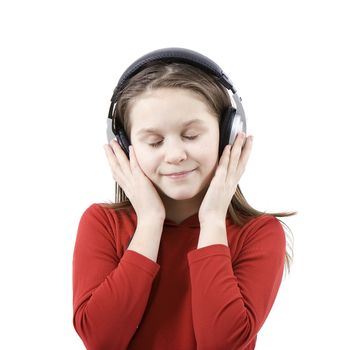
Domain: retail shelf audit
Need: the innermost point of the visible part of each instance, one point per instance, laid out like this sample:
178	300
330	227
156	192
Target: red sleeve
234	300
109	293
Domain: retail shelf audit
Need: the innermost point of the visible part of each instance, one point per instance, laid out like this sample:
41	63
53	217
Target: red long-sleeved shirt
215	297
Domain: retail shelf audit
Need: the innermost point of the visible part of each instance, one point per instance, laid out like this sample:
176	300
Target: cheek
208	157
211	164
145	161
209	148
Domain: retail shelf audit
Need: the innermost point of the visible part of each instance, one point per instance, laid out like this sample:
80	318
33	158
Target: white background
60	61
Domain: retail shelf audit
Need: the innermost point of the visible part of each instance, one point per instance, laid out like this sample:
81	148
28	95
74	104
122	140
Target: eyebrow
154	130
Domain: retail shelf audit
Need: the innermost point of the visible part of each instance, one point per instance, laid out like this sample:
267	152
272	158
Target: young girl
181	261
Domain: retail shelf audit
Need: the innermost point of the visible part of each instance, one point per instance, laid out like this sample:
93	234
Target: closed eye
157	144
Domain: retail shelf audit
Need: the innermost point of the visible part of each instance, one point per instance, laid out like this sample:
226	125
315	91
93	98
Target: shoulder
94	222
260	241
94	210
264	232
104	213
103	221
262	221
95	215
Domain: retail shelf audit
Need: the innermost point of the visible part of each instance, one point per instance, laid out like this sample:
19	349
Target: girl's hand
136	185
224	183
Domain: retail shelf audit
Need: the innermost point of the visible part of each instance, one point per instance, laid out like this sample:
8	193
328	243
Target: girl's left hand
224	183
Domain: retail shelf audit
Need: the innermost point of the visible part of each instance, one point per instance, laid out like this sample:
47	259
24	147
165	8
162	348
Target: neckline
191	220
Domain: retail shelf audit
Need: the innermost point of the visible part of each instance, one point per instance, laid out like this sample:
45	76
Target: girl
182	261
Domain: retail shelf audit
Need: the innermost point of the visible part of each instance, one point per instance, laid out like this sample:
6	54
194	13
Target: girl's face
175	145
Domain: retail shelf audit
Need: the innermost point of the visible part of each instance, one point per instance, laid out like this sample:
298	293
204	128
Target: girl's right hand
136	185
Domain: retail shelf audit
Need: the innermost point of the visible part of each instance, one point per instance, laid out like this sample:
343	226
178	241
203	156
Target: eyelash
157	144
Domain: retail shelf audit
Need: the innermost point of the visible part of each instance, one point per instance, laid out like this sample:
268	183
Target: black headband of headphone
182	55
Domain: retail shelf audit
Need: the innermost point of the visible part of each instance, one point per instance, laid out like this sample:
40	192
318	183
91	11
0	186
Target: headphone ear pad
123	141
226	125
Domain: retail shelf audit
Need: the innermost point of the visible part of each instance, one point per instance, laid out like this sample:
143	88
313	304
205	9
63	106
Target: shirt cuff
208	251
141	261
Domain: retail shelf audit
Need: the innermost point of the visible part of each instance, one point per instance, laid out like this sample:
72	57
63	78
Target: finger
224	161
235	154
110	155
134	163
122	160
133	160
245	154
117	171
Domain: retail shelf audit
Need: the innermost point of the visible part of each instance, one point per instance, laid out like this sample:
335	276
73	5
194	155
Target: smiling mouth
180	175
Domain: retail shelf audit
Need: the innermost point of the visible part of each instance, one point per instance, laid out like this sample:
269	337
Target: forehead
166	108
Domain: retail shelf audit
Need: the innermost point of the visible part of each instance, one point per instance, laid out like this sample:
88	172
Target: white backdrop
60	62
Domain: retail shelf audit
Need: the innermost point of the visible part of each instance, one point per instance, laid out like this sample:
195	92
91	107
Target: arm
109	294
233	301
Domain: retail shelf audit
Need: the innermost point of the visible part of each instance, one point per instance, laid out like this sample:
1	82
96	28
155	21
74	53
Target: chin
183	197
178	195
182	194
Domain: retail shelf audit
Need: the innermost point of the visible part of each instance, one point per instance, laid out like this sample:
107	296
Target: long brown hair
181	75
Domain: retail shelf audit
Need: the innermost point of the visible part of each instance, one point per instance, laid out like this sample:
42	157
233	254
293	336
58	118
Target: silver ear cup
237	127
109	131
240	121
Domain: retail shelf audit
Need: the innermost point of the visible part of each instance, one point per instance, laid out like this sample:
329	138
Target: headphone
232	121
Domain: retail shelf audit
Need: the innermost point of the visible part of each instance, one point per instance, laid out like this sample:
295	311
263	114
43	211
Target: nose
175	152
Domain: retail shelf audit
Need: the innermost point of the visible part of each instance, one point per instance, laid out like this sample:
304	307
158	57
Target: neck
179	210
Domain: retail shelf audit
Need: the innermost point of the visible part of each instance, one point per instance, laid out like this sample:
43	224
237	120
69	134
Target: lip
179	175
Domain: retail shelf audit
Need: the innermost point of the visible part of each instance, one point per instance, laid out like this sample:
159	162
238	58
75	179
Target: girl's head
166	97
185	137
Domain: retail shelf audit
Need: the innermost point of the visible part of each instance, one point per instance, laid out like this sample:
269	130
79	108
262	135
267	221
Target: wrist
150	221
213	232
212	222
